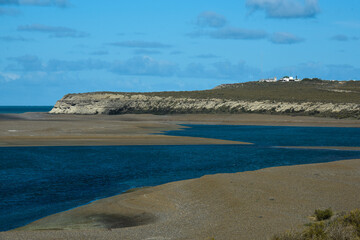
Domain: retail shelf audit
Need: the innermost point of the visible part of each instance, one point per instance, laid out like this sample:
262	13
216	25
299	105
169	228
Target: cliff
338	99
120	103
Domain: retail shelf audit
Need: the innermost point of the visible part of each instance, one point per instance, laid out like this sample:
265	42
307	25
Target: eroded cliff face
119	103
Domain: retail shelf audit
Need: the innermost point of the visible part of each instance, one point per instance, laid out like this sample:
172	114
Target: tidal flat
183	147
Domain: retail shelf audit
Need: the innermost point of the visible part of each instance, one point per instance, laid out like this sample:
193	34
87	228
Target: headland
306	98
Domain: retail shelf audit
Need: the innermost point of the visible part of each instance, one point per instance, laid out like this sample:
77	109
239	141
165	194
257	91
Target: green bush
315	231
321	215
353	219
343	227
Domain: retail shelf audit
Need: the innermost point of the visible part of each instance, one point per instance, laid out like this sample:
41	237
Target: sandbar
42	129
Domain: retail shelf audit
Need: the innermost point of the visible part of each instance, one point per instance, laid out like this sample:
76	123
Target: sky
49	48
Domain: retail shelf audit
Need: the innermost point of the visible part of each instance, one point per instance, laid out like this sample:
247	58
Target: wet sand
103	140
248	205
41	129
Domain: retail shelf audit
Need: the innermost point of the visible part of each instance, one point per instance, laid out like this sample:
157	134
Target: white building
269	80
284	79
287	79
290	79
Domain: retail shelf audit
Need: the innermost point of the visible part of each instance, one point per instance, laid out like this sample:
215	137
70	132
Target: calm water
23	109
38	181
276	136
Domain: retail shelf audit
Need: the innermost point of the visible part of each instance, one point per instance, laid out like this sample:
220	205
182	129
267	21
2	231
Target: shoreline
245	205
146	140
42	129
323	148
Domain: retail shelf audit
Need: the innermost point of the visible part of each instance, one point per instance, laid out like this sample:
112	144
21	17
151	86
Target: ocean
38	181
24	109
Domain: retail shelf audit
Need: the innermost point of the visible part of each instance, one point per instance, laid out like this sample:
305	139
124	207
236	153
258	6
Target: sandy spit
41	129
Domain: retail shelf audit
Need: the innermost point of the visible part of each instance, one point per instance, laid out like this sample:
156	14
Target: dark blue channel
275	135
24	109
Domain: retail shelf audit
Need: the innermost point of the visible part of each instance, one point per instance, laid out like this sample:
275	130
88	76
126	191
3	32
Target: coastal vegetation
308	90
343	226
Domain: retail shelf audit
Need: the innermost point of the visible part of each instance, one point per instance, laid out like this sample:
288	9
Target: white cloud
57	32
7	77
211	19
231	33
238	33
140	44
14	39
44	3
285	38
30	63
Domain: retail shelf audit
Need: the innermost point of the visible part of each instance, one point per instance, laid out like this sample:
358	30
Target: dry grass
341	227
305	91
335	92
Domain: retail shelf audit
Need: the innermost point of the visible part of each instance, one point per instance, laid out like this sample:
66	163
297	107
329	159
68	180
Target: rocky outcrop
119	103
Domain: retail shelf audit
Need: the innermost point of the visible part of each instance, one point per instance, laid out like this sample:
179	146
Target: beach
247	205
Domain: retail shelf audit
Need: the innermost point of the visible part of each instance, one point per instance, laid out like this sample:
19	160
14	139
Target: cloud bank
206	56
139	44
211	19
285	38
144	66
344	38
56	32
7	77
237	33
222	31
29	65
14	39
43	3
9	12
285	8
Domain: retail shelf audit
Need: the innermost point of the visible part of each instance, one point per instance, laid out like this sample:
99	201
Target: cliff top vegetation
308	90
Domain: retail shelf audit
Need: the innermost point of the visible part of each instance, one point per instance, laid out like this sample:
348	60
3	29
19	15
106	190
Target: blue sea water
275	135
24	109
39	181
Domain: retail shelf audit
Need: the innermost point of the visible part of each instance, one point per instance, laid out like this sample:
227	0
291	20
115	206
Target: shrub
323	214
337	230
353	219
345	227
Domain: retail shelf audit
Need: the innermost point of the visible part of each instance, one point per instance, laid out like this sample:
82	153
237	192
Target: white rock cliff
119	103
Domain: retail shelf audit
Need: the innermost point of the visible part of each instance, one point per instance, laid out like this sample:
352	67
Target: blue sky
53	47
